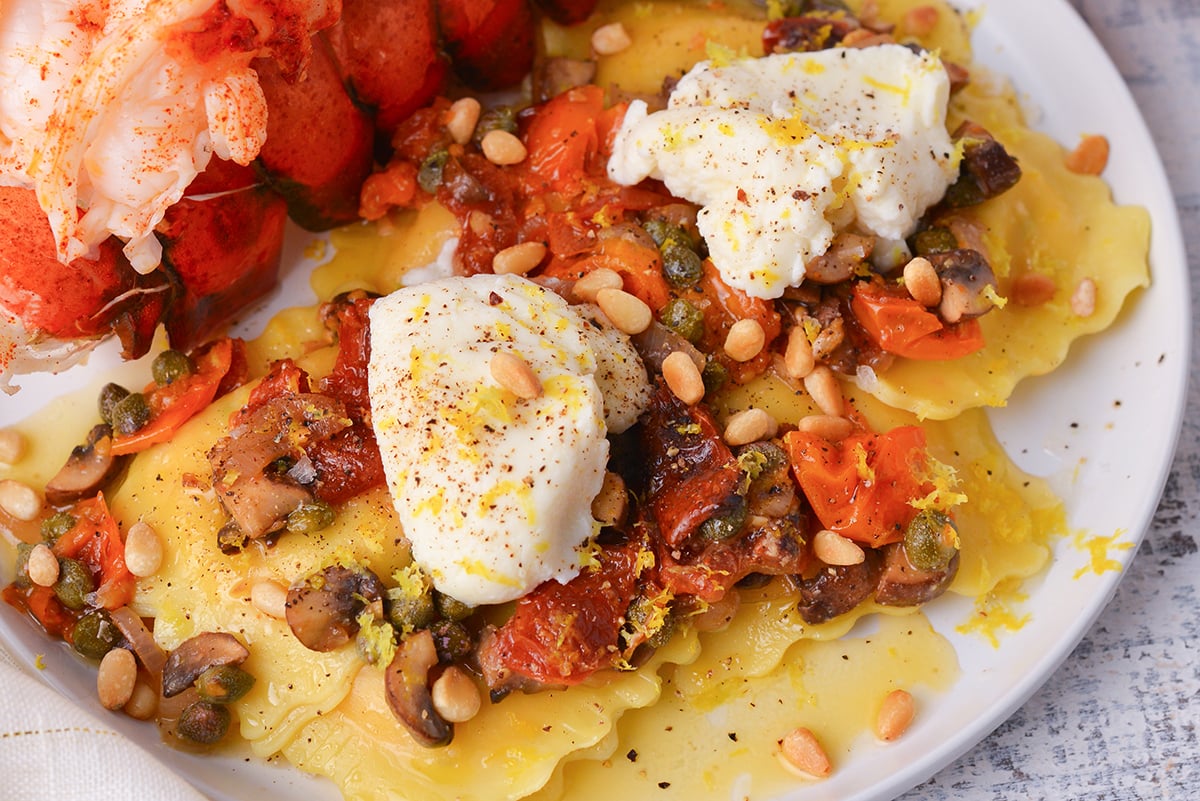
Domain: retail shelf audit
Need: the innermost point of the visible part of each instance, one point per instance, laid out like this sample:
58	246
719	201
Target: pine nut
611	503
826	392
42	566
587	287
480	222
116	678
801	750
502	148
20	500
798	359
12	446
920	21
514	374
834	549
895	715
1083	299
825	426
270	598
143	703
1089	157
683	378
461	119
1032	289
627	312
608	40
143	550
749	425
455	696
745	340
518	259
922	282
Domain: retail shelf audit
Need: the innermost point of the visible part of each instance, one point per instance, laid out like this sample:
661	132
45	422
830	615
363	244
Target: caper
501	118
407	612
74	583
726	521
451	608
964	192
642	611
715	375
95	634
452	640
130	413
170	366
22	578
429	176
309	518
224	684
931	540
681	266
110	395
231	539
57	525
682	317
203	722
933	240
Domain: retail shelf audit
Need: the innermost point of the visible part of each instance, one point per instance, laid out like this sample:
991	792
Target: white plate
1103	428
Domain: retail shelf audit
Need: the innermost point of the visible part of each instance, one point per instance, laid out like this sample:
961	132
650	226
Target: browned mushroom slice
841	261
902	584
210	649
407	686
836	590
965	276
87	469
556	75
323	610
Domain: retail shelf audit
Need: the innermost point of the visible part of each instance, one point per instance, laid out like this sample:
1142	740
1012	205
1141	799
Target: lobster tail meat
491	42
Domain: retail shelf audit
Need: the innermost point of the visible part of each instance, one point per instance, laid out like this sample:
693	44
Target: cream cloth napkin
51	750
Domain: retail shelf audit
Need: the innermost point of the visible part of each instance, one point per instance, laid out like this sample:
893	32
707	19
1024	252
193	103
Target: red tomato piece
900	325
96	541
561	137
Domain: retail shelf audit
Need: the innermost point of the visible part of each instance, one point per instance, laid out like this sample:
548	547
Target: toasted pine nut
590	284
865	37
801	750
461	118
627	312
42	566
920	21
683	378
518	259
895	715
502	148
798	359
1083	299
143	703
455	696
514	374
834	549
922	282
611	503
1090	156
749	425
269	597
745	340
20	500
1032	289
610	39
12	446
825	426
116	678
826	392
143	550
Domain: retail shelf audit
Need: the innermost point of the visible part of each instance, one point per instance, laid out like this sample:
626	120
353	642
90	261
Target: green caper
429	176
407	612
684	318
501	118
110	395
170	366
130	413
452	640
643	614
726	521
74	583
931	540
231	539
22	577
95	634
309	518
56	525
933	240
224	684
964	192
661	230
203	722
681	266
715	375
451	608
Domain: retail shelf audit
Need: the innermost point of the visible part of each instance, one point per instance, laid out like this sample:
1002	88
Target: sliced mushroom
87	469
210	649
323	610
845	255
407	685
834	591
902	584
556	75
965	275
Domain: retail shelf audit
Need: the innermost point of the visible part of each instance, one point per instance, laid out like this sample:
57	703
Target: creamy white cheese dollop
494	492
784	151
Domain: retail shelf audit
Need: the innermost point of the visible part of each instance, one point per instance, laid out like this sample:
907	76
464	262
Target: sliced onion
141	640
